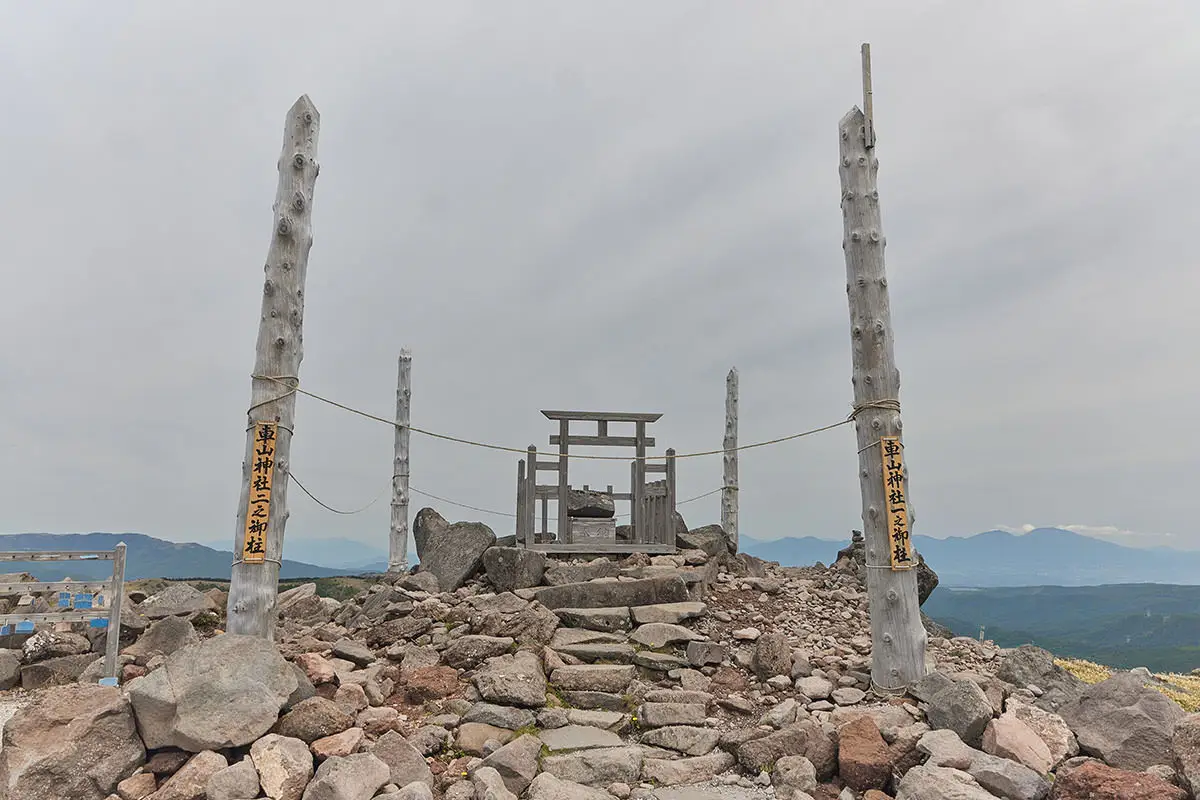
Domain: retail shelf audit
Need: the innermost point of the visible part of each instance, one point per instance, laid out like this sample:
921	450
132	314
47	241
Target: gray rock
590	505
355	777
613	679
420	582
661	634
701	654
517	762
490	786
512	568
1124	723
414	791
163	638
235	782
794	774
431	740
579	737
1008	779
77	742
686	739
849	696
516	680
314	718
607	653
56	671
224	692
456	553
928	686
608	720
670	613
597	767
604	701
54	644
814	688
962	708
548	787
596	619
662	715
1185	742
468	652
712	539
644	592
284	765
940	783
772	656
405	764
354	651
683	771
660	662
500	716
427	524
1032	666
782	715
559	574
178	599
10	669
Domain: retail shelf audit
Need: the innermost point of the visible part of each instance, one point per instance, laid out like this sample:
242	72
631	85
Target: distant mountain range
1046	556
335	553
145	557
1127	625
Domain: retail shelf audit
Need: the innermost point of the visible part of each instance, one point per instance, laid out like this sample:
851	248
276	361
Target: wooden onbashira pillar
897	635
262	507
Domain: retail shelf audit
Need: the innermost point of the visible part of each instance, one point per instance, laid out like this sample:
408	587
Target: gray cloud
562	206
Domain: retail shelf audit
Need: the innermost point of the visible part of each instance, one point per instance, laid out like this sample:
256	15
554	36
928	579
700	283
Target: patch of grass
1086	671
527	730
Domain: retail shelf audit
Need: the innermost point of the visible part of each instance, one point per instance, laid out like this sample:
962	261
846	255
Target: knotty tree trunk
398	540
254	586
729	492
897	636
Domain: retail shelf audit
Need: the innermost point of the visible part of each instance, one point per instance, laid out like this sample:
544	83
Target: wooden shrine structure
652	505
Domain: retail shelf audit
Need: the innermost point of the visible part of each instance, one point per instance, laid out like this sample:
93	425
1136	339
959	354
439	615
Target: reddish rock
431	683
131	671
137	787
316	667
1009	737
864	760
1096	781
166	762
340	744
875	794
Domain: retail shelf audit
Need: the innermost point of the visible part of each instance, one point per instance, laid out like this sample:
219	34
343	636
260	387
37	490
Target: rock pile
696	676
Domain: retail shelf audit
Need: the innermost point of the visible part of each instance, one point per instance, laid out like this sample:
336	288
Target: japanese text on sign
258	514
899	534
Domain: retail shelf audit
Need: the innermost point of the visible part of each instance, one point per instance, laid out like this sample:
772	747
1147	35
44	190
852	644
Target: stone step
592	700
579	737
671	613
591	653
663	715
596	619
569	637
670	588
613	679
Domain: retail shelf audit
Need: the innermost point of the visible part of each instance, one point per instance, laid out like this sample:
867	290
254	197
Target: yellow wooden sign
262	472
896	502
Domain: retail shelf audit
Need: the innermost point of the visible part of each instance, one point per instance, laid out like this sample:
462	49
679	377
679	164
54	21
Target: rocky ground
496	674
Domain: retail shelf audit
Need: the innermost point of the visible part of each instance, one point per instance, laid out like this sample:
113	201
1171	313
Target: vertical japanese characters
258	515
899	534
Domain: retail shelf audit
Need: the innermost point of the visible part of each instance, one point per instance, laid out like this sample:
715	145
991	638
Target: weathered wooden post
262	509
729	487
398	540
897	635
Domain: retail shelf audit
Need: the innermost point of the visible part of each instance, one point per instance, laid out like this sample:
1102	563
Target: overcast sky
603	206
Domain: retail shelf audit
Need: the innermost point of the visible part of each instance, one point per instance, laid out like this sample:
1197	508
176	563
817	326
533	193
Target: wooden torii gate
652	505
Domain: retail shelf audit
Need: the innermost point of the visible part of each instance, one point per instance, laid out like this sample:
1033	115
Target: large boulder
54	644
512	568
224	692
1029	665
356	777
426	525
864	761
163	638
940	783
712	539
56	671
514	680
405	764
178	599
455	553
963	708
1124	723
77	742
10	669
191	781
1009	737
1185	741
586	504
284	765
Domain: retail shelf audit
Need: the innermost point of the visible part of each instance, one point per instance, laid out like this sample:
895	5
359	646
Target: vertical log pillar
564	522
531	496
254	586
729	488
398	538
897	635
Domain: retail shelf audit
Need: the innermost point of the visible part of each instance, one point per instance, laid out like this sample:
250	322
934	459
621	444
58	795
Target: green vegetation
1124	625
